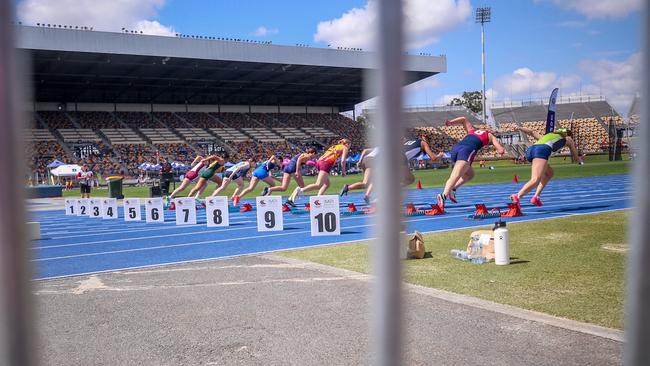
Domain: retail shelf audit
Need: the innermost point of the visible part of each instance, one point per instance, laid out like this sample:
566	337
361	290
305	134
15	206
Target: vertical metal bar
15	333
637	322
483	72
388	224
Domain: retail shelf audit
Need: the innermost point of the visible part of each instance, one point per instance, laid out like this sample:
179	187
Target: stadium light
483	15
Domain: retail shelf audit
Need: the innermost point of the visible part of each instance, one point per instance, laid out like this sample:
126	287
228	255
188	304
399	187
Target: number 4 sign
153	208
325	215
216	211
269	213
185	211
132	209
109	208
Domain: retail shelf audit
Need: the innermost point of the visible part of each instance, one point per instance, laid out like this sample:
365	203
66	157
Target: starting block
286	208
434	211
352	210
246	207
514	210
369	210
411	210
483	213
307	207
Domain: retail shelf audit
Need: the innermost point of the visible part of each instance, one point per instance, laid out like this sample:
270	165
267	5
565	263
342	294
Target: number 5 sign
153	208
185	211
324	215
216	211
269	213
132	209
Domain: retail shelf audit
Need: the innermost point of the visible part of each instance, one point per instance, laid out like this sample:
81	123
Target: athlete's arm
343	157
574	152
197	159
529	132
497	144
425	146
299	165
460	121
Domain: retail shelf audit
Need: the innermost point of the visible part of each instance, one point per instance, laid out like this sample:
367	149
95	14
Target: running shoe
265	191
536	201
235	201
344	190
441	201
515	199
452	196
290	203
366	199
294	196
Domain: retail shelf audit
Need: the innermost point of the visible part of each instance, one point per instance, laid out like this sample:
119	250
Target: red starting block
286	208
307	206
514	210
246	207
410	209
482	212
435	210
369	210
481	209
352	207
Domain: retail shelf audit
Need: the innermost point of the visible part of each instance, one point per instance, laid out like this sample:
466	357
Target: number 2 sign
269	213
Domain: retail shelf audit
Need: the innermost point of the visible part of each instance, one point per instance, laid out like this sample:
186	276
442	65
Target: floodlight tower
483	15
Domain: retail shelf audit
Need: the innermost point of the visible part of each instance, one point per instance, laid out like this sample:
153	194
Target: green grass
560	267
503	172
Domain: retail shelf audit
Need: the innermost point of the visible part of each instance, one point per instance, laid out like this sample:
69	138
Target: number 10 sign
324	215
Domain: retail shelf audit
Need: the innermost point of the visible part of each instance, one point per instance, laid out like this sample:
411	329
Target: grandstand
116	100
587	116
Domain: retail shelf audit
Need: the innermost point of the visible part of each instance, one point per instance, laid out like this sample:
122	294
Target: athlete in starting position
463	154
324	166
235	173
214	165
262	173
538	154
191	174
292	169
365	162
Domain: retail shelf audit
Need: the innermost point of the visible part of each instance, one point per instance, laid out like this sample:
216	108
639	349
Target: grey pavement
266	310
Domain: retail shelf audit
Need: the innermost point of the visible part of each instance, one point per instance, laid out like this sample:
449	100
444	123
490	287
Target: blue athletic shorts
291	167
463	152
229	175
539	151
260	173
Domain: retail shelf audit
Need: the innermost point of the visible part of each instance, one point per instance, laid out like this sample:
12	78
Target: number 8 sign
269	213
216	211
154	210
324	215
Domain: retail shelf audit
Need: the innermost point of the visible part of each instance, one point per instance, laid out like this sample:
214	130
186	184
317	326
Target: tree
473	100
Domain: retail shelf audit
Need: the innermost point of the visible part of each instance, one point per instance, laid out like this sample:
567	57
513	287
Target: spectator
85	177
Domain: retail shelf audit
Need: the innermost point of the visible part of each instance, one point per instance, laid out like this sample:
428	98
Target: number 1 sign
324	215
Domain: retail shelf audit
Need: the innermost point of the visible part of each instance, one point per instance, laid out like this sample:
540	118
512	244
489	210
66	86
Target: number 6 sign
216	211
269	213
154	210
324	215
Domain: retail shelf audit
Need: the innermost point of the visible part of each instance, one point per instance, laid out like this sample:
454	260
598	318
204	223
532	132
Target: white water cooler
501	244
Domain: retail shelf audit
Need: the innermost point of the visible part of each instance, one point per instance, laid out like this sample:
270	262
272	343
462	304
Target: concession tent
66	170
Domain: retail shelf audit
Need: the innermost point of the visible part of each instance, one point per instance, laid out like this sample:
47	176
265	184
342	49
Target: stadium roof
89	66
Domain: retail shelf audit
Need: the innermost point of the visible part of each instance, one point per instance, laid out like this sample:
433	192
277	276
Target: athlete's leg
286	178
409	178
240	186
224	185
215	178
251	186
200	184
319	182
536	173
364	183
325	184
548	174
469	175
460	168
270	181
180	188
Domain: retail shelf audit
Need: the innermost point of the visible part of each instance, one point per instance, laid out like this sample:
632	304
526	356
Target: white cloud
618	80
263	31
424	20
101	14
595	9
446	99
524	81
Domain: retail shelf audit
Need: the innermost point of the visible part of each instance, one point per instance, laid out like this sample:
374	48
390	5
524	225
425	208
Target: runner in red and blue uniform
463	154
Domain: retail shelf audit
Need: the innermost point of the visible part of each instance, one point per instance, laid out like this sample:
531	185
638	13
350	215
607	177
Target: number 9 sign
269	213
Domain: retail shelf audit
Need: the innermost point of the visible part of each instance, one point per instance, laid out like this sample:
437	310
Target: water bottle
459	254
479	259
501	244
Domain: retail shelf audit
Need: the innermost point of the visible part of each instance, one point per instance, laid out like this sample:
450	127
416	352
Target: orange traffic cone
419	184
515	179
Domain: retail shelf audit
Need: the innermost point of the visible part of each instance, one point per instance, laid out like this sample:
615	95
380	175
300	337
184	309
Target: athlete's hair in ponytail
344	142
311	150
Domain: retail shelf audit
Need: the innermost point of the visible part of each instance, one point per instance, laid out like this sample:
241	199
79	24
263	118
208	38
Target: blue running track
73	245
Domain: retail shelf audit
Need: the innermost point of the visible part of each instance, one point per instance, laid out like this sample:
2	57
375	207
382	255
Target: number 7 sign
185	211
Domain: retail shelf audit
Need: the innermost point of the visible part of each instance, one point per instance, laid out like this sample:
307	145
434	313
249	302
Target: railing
544	101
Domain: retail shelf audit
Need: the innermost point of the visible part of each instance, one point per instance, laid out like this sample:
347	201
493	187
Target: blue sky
581	46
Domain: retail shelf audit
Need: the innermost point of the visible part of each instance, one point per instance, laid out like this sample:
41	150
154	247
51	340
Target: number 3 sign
269	213
324	215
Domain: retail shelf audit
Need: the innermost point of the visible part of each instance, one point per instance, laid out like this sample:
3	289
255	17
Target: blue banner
550	117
